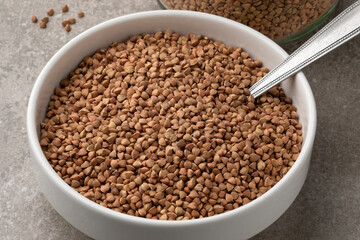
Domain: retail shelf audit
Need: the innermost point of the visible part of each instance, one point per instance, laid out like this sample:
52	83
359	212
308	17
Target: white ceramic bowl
102	223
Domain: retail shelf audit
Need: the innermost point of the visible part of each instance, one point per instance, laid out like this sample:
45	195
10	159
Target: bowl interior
183	22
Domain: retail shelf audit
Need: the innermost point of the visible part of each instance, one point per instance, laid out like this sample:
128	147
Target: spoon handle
341	29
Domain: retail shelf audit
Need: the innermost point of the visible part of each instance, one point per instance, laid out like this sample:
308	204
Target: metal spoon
341	29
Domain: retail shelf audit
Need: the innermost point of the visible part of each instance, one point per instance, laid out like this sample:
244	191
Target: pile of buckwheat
161	127
274	18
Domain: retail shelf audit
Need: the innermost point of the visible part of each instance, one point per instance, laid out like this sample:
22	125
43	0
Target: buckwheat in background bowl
102	223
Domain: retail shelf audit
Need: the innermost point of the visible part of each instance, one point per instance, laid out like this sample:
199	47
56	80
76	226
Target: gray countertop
328	206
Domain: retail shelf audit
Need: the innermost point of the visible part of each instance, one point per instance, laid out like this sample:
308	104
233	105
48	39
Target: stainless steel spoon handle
341	29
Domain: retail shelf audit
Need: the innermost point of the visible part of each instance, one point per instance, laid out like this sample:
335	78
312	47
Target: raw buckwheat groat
161	127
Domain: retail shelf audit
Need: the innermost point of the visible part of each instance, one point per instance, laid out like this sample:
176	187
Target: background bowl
102	223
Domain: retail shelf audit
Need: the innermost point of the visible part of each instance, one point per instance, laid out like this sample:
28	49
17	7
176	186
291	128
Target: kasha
274	18
162	127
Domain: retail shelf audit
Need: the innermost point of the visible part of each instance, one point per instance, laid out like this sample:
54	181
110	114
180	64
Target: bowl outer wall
102	223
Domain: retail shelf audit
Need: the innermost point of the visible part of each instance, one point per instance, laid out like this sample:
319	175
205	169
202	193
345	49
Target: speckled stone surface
328	206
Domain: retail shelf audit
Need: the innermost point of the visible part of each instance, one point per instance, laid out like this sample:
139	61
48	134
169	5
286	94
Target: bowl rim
118	216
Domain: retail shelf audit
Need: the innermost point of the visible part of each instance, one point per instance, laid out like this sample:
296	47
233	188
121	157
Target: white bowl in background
102	223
